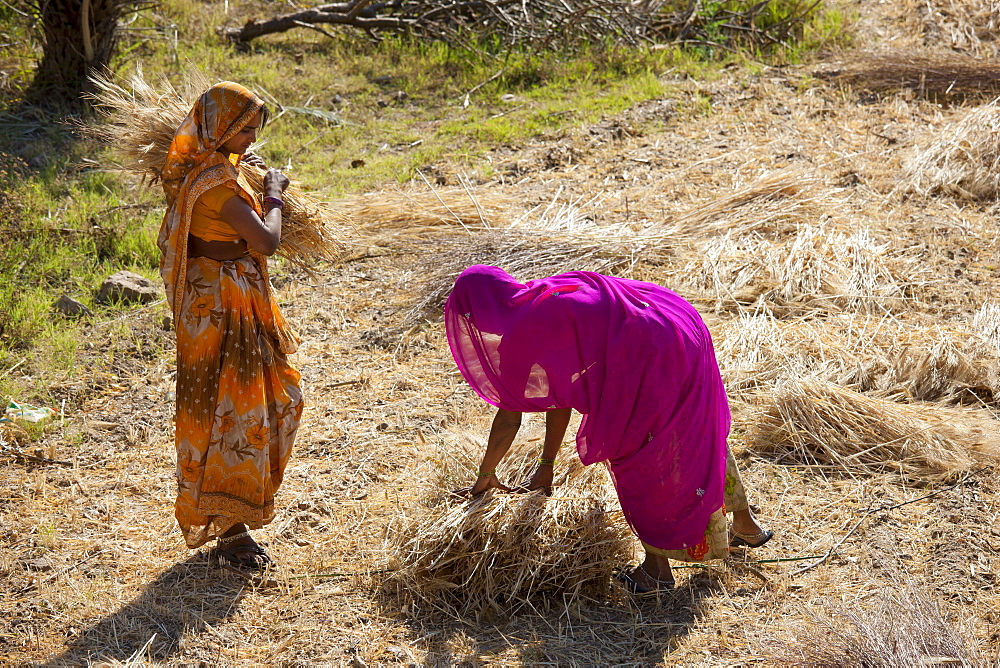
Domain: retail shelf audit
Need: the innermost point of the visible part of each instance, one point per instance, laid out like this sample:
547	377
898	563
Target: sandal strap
230	539
750	538
643	569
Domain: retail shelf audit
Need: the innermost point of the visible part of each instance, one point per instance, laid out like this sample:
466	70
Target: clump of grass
961	159
895	627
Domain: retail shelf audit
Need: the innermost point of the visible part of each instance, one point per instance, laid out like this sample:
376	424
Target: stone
69	306
125	286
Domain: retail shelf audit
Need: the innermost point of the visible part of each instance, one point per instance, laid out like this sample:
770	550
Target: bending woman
637	361
238	398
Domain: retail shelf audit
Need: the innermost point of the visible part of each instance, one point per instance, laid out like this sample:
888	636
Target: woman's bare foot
540	479
653	575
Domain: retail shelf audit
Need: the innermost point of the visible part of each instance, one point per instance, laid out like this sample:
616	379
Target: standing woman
238	398
638	362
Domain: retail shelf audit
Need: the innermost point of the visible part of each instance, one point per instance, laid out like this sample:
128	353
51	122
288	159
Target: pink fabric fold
634	358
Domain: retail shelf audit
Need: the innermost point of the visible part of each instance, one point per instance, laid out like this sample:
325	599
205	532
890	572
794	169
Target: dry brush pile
544	24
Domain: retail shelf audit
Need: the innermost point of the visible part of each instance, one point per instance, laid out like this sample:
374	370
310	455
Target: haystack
139	124
961	159
810	269
500	552
894	627
822	425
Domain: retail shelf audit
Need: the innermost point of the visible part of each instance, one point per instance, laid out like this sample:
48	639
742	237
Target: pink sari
634	358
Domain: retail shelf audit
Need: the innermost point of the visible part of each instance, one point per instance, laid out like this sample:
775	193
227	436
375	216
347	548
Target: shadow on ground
623	630
186	598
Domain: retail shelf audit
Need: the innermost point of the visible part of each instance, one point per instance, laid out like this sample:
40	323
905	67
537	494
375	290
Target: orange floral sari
238	398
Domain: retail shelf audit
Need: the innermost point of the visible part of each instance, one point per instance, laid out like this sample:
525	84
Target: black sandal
633	586
244	557
737	539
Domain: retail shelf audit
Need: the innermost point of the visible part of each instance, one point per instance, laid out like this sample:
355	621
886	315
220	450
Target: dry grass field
841	242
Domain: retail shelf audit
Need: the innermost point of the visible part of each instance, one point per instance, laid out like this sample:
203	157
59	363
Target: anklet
544	461
643	569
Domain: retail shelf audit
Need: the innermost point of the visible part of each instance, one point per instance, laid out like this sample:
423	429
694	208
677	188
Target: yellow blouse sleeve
206	217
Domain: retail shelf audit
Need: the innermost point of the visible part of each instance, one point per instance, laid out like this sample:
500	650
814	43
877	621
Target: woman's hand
541	479
252	158
274	183
481	485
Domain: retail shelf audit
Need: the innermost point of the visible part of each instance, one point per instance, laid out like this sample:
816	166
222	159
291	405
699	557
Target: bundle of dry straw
499	552
773	205
542	241
139	124
961	159
819	424
893	627
969	26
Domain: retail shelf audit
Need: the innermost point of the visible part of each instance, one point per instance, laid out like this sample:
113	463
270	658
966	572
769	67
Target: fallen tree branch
350	14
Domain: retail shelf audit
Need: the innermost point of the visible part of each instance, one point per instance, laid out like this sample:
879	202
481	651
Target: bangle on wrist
275	201
544	461
486	474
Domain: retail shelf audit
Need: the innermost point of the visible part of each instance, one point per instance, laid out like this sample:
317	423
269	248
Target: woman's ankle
657	569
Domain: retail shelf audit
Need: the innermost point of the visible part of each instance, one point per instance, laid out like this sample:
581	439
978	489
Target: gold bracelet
486	474
543	461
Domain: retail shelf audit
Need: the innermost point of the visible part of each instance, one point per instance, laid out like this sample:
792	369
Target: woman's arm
262	235
502	433
556	422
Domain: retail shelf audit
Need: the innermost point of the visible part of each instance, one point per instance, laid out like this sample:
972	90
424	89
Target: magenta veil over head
634	358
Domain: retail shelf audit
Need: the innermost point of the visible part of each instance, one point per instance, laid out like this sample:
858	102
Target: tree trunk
79	38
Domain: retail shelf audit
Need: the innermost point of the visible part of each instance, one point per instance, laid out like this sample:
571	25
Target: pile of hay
773	205
895	627
813	268
961	159
391	218
541	242
757	352
819	424
967	25
500	552
139	124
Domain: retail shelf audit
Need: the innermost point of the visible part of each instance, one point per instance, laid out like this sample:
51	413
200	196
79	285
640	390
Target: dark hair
264	115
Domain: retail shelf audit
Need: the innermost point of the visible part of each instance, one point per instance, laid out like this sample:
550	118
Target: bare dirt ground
93	569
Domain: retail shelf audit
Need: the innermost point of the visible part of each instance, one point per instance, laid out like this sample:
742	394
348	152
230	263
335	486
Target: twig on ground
882	508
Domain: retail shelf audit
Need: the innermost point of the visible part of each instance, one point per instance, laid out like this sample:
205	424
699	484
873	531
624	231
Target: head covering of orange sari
193	166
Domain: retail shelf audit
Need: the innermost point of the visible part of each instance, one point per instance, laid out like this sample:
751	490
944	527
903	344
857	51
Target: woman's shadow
186	598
